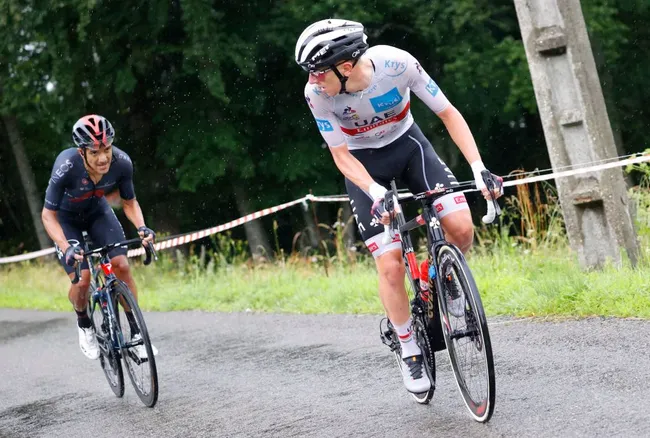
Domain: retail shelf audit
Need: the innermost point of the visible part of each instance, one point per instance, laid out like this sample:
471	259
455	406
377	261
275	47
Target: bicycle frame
102	291
429	217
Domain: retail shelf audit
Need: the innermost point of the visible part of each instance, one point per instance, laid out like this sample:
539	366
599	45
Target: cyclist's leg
426	170
382	165
391	270
78	293
390	267
387	257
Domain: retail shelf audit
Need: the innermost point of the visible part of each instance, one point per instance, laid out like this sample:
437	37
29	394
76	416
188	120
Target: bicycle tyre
452	264
145	386
108	358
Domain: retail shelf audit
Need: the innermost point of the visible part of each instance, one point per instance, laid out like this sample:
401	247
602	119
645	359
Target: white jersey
380	114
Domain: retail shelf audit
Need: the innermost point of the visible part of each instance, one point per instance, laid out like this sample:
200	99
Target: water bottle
424	280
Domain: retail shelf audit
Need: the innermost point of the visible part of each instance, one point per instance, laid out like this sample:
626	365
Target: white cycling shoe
88	342
414	374
141	350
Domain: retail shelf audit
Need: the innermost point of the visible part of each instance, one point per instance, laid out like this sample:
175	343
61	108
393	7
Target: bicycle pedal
387	335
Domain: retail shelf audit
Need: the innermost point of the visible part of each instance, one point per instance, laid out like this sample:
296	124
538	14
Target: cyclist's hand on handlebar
496	182
73	254
146	234
378	211
377	192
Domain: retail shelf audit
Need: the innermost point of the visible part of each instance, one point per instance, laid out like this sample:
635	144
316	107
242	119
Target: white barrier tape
28	256
341	198
532	179
516	182
190	237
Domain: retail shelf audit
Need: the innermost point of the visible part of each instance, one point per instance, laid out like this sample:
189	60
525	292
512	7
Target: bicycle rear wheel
108	356
466	333
140	362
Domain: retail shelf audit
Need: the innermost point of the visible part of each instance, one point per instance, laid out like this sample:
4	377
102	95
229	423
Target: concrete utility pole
577	129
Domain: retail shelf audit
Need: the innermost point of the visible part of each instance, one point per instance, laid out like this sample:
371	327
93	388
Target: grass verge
511	281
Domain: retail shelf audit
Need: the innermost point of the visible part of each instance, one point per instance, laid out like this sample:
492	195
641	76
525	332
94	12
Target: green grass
512	281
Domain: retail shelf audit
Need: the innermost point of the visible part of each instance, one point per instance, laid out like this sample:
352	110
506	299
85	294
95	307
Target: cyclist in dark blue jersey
75	201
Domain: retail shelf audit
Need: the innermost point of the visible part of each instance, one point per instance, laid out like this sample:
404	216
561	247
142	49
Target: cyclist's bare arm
460	133
53	229
133	212
353	170
350	167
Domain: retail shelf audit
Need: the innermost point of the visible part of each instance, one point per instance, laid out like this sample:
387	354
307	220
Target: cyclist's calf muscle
122	271
78	293
391	286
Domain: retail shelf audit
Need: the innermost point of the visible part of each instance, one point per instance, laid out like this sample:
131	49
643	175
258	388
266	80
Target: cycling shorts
412	161
102	227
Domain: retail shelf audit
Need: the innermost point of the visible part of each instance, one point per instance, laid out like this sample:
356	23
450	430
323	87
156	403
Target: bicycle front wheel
465	330
136	348
109	357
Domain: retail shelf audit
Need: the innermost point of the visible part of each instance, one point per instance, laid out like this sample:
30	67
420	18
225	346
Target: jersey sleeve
321	109
57	184
424	86
127	191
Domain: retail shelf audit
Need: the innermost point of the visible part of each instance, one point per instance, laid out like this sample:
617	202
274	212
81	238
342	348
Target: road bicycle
119	325
465	335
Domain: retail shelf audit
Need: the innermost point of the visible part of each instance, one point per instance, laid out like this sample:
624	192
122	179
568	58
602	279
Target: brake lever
150	252
389	205
493	208
77	272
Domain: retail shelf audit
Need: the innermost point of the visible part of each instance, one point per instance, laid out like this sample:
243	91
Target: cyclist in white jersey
360	98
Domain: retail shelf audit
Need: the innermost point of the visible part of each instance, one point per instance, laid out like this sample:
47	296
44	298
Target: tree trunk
350	230
310	227
258	242
27	178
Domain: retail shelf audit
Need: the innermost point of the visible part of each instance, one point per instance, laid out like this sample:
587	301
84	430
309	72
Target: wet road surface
235	375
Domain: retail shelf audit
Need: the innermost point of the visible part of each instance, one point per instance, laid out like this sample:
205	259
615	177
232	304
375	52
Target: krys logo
324	125
386	101
394	68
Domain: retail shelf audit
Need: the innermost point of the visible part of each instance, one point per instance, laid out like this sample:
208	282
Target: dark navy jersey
71	189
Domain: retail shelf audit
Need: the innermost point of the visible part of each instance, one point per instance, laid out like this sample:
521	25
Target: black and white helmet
327	42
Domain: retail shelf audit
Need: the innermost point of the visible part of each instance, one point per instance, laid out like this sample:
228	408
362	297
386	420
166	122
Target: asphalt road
260	375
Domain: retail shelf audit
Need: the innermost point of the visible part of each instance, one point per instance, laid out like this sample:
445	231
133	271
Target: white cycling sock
406	339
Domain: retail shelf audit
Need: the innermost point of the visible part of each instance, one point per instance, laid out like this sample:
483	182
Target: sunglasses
318	73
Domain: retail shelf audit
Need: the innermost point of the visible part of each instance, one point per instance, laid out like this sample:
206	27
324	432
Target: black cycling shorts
102	227
412	161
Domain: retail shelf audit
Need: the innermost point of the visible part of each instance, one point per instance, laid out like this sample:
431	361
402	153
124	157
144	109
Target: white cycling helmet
326	42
